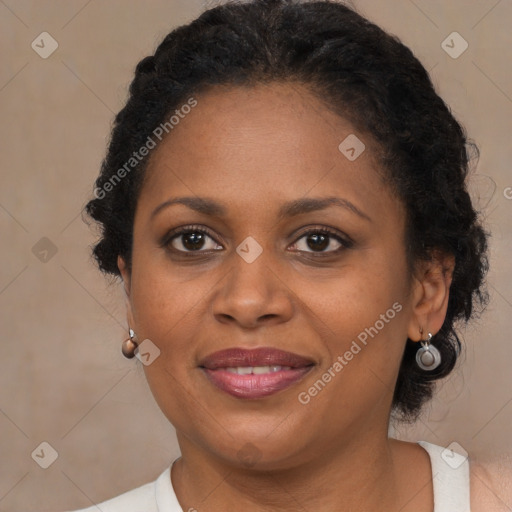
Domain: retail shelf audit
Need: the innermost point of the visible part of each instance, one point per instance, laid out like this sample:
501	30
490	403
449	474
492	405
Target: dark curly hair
360	72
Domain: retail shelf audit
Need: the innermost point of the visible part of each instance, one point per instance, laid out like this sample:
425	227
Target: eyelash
346	243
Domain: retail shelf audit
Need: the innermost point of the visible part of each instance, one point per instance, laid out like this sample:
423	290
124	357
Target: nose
252	294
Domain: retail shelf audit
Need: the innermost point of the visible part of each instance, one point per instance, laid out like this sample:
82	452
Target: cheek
166	312
365	314
358	296
165	309
162	296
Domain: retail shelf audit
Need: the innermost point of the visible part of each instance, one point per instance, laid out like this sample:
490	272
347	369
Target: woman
284	199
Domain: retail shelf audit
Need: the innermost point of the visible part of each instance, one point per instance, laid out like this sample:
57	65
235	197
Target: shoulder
155	496
135	500
491	485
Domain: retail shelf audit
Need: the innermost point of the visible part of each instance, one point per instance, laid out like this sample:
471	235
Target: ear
125	274
431	291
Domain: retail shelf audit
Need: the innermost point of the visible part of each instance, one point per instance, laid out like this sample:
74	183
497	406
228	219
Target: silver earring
428	357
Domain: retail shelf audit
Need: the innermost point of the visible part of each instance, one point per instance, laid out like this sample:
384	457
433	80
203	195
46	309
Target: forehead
262	143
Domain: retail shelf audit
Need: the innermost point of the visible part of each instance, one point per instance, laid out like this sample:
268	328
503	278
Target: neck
360	475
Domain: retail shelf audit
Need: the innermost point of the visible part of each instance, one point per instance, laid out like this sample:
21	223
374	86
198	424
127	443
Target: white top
450	476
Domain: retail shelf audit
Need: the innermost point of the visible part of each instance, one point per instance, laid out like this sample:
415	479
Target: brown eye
320	241
192	240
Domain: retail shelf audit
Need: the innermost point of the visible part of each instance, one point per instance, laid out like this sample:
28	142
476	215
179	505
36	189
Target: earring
129	345
428	357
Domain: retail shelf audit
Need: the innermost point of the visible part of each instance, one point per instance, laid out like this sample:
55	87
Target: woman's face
343	304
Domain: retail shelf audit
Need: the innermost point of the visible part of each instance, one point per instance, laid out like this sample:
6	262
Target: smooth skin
251	150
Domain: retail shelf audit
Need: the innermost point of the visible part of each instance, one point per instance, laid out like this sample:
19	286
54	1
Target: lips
234	357
254	373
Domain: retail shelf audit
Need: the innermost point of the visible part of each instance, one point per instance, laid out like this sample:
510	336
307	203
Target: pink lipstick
254	373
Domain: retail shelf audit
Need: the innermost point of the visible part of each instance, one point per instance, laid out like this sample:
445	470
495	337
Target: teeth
276	368
256	370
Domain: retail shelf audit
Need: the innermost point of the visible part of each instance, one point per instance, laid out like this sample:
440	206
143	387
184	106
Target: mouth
254	373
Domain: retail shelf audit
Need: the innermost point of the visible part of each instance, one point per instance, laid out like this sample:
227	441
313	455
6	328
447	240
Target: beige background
63	379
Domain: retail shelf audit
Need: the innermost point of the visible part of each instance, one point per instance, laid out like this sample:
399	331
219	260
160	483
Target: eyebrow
292	208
